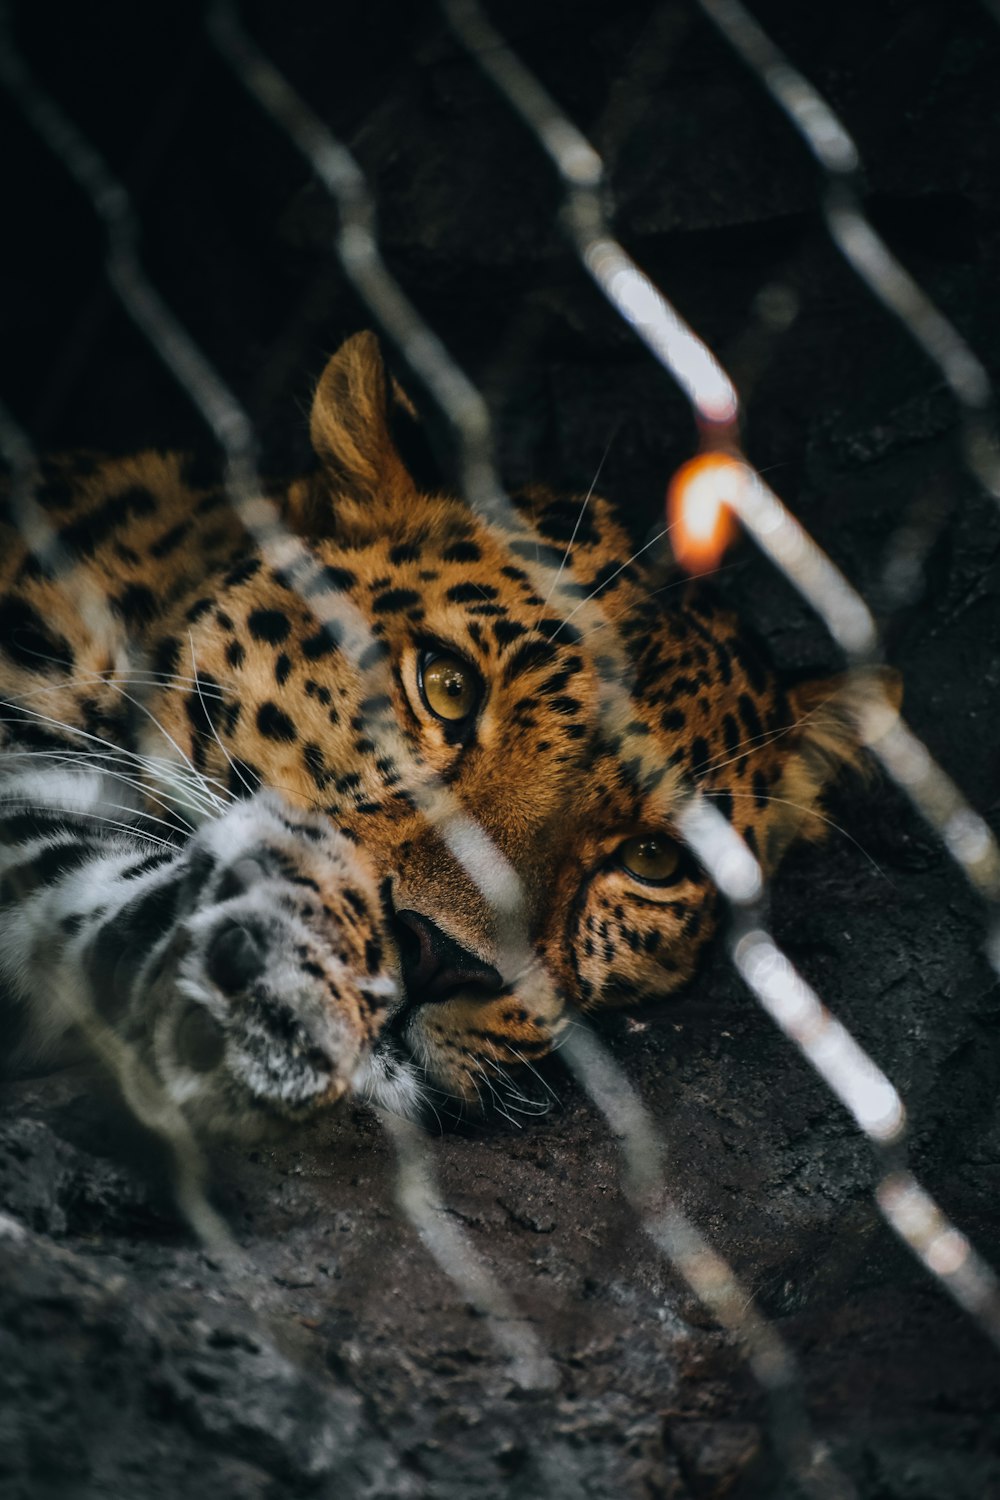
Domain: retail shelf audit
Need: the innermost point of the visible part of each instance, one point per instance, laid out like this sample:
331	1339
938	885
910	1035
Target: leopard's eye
450	688
649	857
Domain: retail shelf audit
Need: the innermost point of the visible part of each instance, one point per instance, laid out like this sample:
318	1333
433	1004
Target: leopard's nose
435	967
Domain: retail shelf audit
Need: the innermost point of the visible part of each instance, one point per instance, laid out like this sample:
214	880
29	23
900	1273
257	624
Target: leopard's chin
390	1078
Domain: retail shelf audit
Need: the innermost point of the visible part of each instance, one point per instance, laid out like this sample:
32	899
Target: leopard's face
450	719
453	758
625	911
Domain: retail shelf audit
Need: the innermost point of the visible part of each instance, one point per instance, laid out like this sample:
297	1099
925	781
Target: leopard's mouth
458	1084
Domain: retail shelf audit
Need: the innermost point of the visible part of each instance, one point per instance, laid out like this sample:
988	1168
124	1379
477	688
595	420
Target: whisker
810	812
757	742
498	1102
744	748
441	1093
136	830
168	680
111	749
576	528
211	723
532	1069
215	800
100	761
601	587
18	803
532	1108
503	1077
677	583
471	1075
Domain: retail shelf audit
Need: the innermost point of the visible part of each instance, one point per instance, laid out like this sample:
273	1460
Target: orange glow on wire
700	503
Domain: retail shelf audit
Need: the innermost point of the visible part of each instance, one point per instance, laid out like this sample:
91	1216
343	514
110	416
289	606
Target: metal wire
825	1043
466	412
806	1459
233	429
715	401
965	834
42	542
870	1097
148	1102
357	248
530	1367
860	244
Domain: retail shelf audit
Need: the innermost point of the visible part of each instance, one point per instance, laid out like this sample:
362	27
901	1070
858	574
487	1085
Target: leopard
353	789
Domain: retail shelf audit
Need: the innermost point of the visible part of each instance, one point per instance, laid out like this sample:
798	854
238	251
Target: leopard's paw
279	976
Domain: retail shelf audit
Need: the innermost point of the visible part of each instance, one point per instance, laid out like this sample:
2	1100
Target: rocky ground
339	1361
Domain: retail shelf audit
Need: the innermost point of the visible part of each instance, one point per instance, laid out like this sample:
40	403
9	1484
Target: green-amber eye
650	857
450	688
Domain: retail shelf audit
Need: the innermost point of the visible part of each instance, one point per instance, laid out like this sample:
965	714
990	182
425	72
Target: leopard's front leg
248	971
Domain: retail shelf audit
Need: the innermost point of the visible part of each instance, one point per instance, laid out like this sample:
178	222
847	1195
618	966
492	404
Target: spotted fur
234	833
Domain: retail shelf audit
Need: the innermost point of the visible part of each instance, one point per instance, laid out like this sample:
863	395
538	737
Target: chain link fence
804	1461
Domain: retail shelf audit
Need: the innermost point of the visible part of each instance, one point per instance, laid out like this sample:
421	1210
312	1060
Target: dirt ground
340	1362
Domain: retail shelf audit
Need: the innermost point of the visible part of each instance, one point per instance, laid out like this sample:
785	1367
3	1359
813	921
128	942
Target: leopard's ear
823	742
361	473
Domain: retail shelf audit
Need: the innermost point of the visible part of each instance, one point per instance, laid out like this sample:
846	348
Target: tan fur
554	792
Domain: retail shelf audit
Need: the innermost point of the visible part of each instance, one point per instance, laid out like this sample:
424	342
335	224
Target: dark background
344	1364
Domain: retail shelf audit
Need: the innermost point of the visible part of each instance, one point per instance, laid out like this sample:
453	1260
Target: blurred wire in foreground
148	1102
42	542
706	1273
827	1045
870	1097
531	1367
465	411
858	241
232	428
